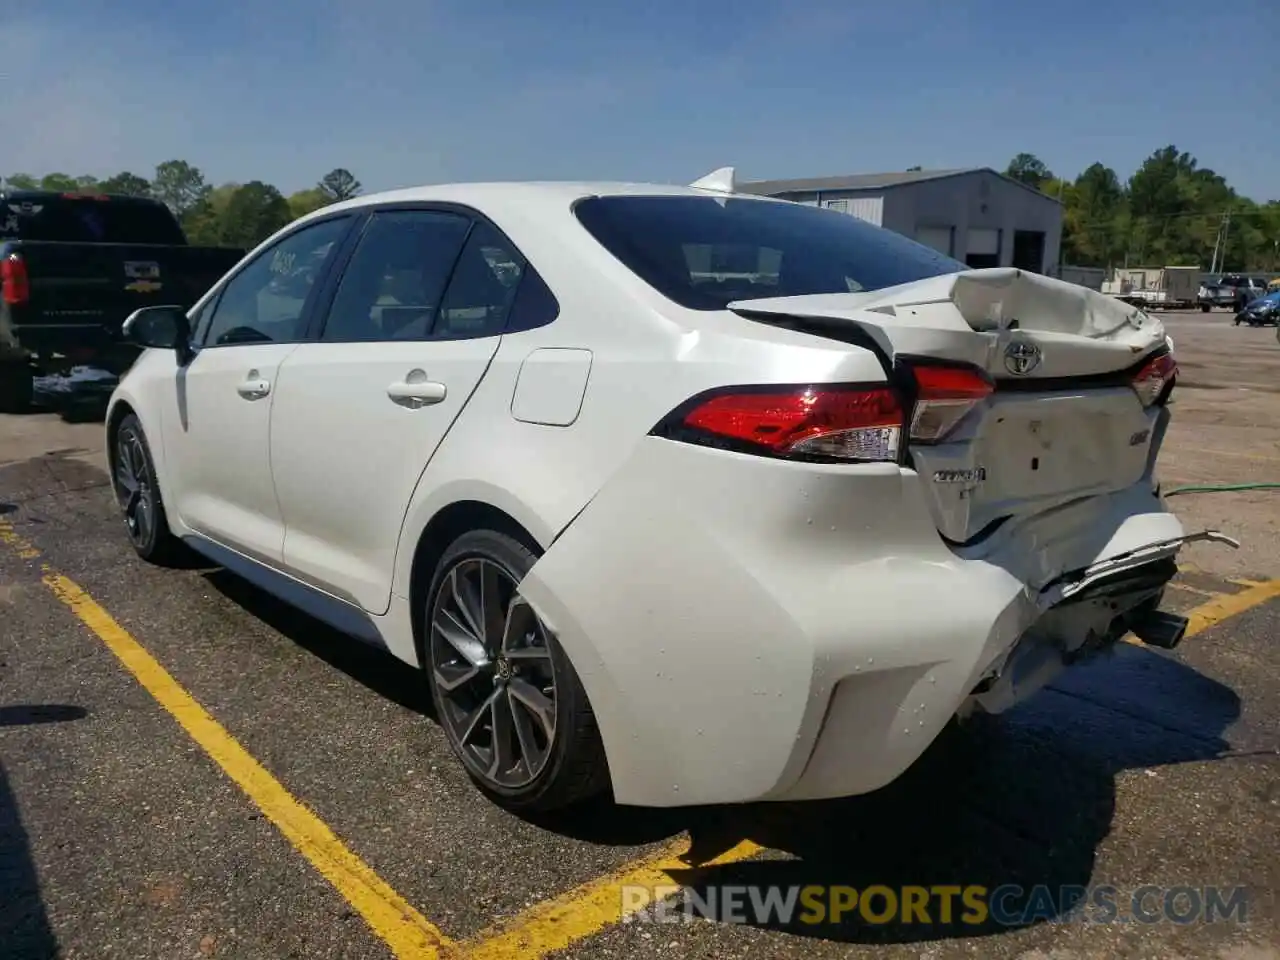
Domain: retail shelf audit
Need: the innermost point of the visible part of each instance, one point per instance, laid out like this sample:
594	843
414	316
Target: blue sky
418	91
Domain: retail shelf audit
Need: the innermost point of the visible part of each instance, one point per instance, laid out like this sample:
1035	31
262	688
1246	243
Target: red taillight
945	396
841	423
1150	382
14	288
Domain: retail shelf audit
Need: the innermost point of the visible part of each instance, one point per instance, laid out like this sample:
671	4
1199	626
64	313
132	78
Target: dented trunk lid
1063	422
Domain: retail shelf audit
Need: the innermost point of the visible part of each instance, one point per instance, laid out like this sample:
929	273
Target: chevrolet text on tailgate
689	495
73	266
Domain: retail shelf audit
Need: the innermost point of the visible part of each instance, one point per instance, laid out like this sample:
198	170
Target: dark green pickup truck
74	266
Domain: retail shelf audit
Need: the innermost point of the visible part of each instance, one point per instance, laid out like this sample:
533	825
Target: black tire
573	766
130	454
17	387
1204	308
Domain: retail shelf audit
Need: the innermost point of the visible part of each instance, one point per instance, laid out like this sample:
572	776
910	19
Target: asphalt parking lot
188	768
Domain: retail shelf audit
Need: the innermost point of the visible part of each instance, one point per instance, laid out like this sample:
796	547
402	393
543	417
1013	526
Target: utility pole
1062	210
1220	243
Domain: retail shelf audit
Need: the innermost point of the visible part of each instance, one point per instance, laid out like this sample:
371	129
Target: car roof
496	196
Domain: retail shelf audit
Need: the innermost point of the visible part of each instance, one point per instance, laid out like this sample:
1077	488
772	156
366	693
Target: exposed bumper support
1088	611
1070	585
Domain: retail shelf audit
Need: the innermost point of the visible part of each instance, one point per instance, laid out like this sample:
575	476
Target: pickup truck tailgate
97	285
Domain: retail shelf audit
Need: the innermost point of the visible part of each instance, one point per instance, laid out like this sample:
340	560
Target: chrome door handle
253	389
415	395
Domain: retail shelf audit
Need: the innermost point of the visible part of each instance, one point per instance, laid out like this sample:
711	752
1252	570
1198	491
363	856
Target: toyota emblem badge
1021	358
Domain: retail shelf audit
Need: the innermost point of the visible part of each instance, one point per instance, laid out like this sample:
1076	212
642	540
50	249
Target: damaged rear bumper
1087	611
755	629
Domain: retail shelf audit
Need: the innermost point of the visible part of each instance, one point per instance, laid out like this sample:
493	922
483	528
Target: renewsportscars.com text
1008	905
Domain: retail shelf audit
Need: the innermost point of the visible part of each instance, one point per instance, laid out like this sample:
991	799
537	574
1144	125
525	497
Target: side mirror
160	328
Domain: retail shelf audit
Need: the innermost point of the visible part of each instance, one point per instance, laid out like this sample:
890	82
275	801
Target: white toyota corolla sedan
695	496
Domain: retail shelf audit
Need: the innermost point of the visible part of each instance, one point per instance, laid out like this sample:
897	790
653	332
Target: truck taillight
1153	382
803	422
945	395
14	287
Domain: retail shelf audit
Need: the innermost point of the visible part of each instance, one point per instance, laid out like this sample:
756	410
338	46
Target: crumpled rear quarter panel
710	602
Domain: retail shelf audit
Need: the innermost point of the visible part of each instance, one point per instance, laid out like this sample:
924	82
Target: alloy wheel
493	674
135	488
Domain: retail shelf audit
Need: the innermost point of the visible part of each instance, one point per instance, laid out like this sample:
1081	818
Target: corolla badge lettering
976	475
1020	358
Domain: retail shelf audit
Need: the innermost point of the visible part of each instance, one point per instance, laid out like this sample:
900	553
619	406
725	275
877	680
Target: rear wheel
133	479
507	697
17	387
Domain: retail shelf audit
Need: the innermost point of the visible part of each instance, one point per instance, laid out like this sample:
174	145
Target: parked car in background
73	267
1264	310
699	497
1231	291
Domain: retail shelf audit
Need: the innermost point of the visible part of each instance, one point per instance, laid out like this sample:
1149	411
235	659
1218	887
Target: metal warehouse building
978	216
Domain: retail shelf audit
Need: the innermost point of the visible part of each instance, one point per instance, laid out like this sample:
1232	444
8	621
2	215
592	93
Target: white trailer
1168	288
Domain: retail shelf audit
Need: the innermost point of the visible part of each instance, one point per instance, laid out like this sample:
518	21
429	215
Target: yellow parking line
10	538
399	925
1238	581
1196	590
1223	606
1239	453
530	935
1228	605
588	909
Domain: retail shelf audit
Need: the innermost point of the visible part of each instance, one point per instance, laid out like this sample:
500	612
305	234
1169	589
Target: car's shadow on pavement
25	931
1018	803
376	669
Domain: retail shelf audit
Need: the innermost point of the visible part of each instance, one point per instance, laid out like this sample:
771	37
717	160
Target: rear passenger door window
396	280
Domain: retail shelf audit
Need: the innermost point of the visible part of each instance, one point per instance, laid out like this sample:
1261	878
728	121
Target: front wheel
509	700
133	479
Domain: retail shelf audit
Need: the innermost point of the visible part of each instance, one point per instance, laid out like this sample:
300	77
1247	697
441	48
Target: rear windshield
87	220
705	252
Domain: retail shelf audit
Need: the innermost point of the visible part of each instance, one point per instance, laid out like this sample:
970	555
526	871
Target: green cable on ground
1220	488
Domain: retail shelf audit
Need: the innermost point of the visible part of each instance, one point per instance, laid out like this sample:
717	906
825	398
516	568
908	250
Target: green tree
1268	218
339	184
308	201
1094	205
22	181
254	212
1161	206
203	223
126	184
59	182
179	185
1029	169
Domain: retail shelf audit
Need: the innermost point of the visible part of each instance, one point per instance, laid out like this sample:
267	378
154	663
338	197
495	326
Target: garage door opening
940	238
1028	250
983	248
